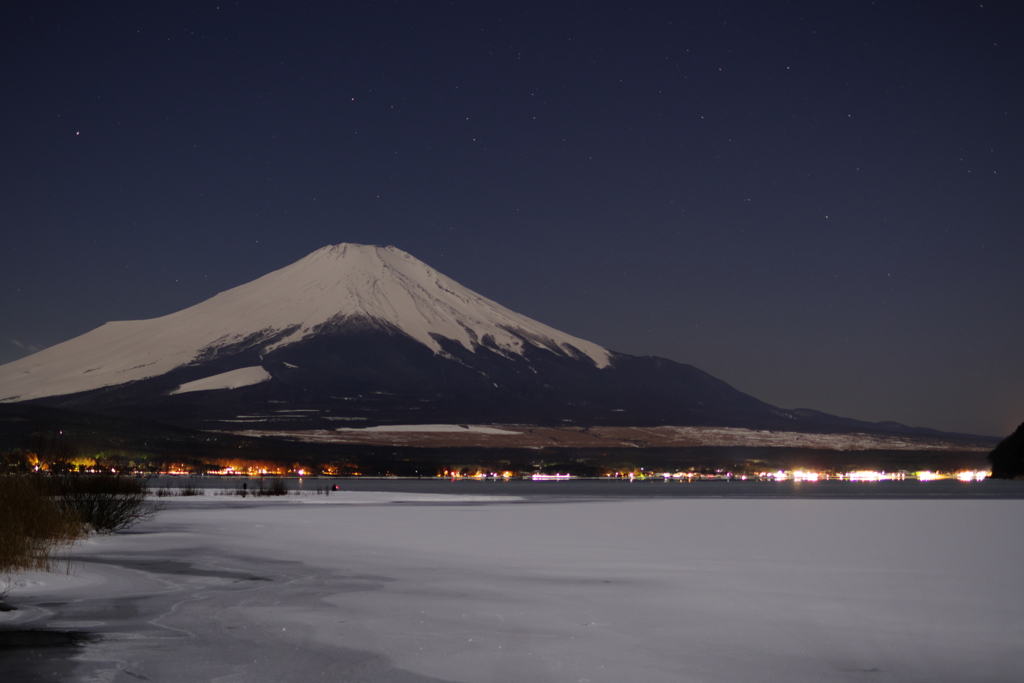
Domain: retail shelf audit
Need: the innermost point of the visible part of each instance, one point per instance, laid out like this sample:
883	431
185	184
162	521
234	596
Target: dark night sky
817	202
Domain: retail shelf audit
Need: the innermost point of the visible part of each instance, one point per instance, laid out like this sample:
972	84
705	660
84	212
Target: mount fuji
356	335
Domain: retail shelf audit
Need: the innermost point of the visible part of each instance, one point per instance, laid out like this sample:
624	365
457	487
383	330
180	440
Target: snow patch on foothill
428	428
233	379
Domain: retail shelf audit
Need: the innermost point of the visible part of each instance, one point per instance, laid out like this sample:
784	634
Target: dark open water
651	488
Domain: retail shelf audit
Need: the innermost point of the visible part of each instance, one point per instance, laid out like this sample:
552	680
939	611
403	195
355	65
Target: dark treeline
1008	457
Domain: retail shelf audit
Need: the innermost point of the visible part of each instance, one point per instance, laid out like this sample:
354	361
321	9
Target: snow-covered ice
398	587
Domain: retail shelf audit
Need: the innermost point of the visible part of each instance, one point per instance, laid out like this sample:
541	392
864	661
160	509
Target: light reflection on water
621	488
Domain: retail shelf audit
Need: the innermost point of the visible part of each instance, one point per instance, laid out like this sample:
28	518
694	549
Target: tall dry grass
33	526
40	514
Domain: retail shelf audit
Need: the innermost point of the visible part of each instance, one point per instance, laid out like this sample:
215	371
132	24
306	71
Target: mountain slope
361	335
334	286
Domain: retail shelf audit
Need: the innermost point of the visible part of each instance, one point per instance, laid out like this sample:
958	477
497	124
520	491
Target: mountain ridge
356	335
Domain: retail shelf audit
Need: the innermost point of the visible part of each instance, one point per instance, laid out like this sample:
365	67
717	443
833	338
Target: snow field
234	379
407	588
476	429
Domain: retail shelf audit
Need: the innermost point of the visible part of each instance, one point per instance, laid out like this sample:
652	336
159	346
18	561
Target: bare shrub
187	490
103	502
276	487
190	489
32	525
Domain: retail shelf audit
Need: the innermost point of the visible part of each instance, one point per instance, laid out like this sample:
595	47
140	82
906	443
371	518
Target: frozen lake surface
415	583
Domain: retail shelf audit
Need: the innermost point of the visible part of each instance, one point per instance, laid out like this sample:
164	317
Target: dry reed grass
33	526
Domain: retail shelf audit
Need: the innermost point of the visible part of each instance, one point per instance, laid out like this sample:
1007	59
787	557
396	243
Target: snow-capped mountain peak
347	282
